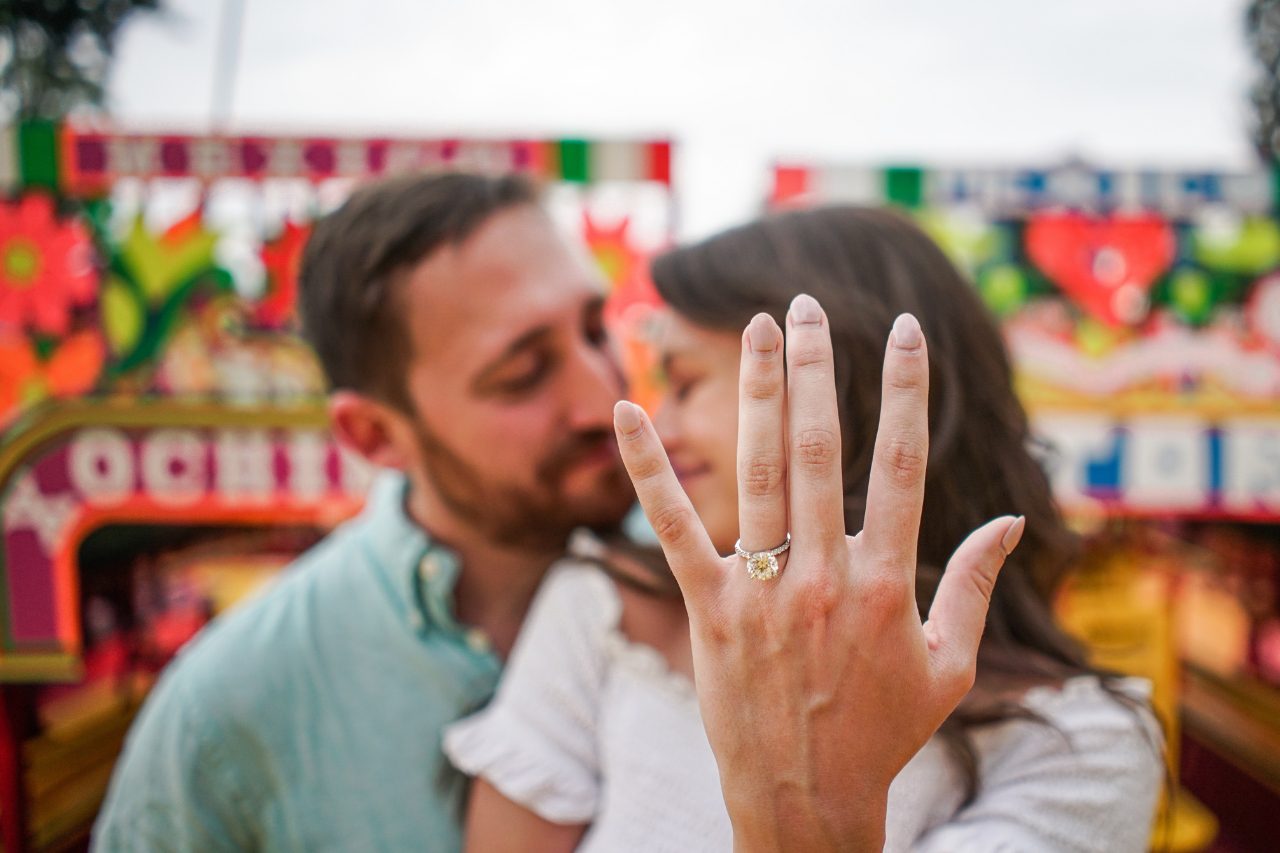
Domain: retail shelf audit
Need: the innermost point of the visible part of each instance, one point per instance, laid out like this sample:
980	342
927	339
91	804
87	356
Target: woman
595	737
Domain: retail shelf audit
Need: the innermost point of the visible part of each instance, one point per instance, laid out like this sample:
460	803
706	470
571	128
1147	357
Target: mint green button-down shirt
310	718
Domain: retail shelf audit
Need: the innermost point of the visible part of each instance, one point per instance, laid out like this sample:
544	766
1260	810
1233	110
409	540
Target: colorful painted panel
151	369
91	466
1142	309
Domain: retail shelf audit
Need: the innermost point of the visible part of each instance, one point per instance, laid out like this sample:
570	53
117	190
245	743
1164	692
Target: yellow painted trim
21	667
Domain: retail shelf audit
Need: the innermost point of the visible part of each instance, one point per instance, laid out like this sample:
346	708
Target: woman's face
698	421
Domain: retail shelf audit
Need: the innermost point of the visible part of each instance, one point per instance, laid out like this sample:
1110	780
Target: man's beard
541	518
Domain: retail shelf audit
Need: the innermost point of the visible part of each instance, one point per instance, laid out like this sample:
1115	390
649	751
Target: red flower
45	266
70	370
281	257
18	367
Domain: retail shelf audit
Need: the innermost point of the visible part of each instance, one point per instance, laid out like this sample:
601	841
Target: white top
588	727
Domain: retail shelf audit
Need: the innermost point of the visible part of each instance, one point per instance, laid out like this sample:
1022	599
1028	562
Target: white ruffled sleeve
1091	785
536	741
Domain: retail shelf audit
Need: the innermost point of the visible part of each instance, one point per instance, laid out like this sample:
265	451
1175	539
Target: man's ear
371	429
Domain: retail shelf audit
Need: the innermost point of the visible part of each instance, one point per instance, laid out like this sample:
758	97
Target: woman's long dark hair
867	266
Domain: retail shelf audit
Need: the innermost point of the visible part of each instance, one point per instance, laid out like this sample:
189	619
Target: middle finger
816	481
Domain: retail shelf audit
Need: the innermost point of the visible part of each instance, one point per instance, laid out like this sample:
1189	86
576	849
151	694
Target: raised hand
818	685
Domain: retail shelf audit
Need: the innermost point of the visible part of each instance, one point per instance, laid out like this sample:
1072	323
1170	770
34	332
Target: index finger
895	494
690	554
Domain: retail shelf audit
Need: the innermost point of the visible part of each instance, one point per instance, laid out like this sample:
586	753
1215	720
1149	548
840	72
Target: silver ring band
762	565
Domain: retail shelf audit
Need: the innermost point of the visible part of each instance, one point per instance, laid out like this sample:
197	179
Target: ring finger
762	455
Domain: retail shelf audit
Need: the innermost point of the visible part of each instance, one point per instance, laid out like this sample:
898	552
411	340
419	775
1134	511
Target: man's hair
347	282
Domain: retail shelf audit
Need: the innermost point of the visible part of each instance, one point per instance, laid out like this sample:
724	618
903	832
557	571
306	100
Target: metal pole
227	63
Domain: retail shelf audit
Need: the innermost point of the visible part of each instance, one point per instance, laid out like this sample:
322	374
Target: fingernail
906	332
805	310
626	418
762	333
1013	535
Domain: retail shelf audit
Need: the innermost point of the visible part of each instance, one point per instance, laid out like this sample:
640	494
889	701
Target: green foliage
1262	28
55	54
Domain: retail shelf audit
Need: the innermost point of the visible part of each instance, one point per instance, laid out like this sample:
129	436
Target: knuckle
818	598
959	679
671	523
809	355
817	446
762	476
882	596
903	459
901	380
983	582
759	388
715	627
645	466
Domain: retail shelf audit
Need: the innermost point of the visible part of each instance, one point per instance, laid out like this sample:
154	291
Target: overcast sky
737	83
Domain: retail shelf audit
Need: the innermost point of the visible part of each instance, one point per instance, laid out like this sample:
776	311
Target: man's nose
595	384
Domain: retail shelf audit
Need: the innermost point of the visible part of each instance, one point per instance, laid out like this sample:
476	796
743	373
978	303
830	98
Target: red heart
1105	265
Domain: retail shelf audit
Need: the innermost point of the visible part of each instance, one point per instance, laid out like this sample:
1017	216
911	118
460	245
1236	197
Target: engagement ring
762	565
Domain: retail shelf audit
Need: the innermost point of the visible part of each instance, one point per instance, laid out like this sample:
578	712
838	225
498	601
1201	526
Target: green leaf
123	317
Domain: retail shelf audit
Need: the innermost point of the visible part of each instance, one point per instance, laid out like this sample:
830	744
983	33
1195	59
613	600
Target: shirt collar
421	572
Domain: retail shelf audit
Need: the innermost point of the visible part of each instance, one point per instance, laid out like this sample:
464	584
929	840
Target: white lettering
30	509
245	461
1074	442
308	460
1166	464
1250	466
101	465
174	466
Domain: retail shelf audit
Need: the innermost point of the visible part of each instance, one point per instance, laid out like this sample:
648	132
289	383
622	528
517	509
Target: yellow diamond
762	566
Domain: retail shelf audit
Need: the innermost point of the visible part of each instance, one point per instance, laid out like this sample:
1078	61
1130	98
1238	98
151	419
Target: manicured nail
1013	535
763	333
805	310
626	418
906	332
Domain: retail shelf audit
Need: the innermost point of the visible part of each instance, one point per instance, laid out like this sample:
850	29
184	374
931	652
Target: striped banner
1003	191
9	167
90	161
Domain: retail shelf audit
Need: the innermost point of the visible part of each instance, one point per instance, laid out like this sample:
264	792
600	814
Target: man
466	351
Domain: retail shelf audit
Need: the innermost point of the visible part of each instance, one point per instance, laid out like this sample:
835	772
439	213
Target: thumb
959	609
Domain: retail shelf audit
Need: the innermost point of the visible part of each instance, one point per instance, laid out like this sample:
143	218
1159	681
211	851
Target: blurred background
1104	172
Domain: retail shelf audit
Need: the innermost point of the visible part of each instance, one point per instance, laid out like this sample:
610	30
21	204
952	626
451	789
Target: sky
738	84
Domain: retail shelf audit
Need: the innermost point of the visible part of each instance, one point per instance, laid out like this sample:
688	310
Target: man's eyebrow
529	339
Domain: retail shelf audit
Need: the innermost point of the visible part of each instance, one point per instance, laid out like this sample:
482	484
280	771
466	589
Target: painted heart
1106	266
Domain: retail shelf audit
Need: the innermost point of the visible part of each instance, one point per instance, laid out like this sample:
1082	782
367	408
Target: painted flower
70	370
45	266
614	252
281	258
18	371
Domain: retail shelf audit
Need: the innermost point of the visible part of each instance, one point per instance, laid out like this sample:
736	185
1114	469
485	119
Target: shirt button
477	640
429	567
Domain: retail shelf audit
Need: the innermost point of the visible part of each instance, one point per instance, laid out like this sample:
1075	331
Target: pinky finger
693	560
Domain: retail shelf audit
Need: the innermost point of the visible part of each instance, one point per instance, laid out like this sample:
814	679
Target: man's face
513	379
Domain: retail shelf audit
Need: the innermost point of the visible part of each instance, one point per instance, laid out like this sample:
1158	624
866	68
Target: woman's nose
667	425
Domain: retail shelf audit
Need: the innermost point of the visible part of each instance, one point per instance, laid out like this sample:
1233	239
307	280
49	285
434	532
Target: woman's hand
819	685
